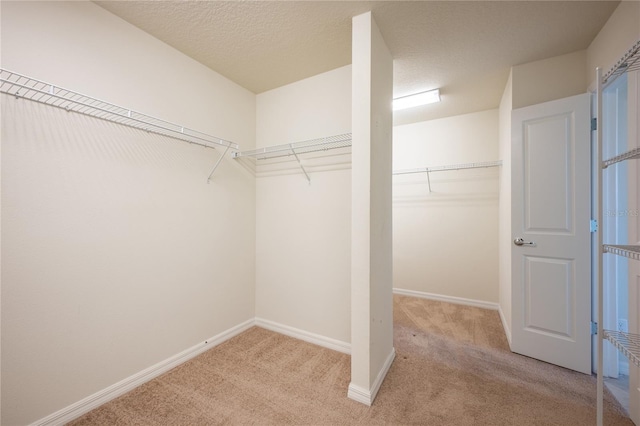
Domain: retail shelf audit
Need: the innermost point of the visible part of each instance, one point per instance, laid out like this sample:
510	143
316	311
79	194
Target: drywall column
371	257
504	210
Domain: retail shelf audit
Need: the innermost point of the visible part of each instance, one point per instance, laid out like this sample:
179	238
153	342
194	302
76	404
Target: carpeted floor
452	367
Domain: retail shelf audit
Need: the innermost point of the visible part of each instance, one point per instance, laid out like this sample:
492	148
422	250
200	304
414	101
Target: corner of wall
504	210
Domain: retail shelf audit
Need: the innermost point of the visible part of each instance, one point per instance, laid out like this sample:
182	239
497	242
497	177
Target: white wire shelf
630	61
449	167
627	343
29	88
304	147
462	166
631	252
634	154
295	148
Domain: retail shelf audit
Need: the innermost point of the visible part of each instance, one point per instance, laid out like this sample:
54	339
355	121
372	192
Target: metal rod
299	163
217	164
600	279
428	181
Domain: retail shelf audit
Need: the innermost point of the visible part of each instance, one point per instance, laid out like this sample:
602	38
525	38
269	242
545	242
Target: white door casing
551	270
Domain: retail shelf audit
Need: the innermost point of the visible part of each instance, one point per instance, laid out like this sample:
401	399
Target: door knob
521	242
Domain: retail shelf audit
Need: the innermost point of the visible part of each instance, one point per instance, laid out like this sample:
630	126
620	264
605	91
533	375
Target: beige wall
303	231
553	78
116	253
432	231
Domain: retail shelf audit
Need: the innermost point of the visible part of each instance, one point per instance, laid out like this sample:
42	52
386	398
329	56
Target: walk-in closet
183	177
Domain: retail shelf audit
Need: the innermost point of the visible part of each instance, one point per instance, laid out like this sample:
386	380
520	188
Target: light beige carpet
452	367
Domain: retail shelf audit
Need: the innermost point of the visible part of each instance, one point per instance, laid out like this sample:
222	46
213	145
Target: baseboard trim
359	394
316	339
505	326
451	299
382	374
367	396
87	404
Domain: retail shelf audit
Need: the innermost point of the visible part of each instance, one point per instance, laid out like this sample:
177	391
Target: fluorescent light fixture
422	98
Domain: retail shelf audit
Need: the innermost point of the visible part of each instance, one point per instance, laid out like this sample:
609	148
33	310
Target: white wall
504	211
303	231
371	226
116	253
445	241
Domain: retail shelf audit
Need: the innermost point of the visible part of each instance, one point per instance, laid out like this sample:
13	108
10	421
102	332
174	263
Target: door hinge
594	124
593	225
594	328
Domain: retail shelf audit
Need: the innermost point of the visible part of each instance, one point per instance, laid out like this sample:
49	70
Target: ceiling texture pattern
465	48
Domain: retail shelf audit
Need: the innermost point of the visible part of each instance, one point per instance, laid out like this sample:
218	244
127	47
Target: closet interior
133	243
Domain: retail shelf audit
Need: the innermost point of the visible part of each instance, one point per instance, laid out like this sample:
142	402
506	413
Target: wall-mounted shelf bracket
300	164
217	163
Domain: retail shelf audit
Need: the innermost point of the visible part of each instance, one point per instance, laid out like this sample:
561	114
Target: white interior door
551	262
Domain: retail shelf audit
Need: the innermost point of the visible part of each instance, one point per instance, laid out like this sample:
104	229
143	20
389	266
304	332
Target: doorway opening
616	231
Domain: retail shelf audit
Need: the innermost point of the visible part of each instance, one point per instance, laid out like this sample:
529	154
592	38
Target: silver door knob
521	242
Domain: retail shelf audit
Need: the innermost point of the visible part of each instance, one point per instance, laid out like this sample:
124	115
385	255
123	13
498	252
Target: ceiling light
422	98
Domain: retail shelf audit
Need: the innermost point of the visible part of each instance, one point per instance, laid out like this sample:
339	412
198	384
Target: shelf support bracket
300	163
218	163
429	180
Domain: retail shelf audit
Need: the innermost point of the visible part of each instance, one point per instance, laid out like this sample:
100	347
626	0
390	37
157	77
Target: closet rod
29	88
450	167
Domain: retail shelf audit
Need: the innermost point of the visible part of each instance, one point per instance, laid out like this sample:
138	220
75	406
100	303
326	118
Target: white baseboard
360	394
505	326
316	339
366	396
93	401
450	299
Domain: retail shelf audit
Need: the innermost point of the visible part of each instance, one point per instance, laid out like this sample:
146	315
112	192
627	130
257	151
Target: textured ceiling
464	48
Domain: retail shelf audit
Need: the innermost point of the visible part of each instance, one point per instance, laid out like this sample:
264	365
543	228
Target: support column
372	349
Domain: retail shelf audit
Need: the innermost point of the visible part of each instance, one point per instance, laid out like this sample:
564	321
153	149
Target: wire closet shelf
627	343
295	148
29	88
463	166
630	61
304	147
